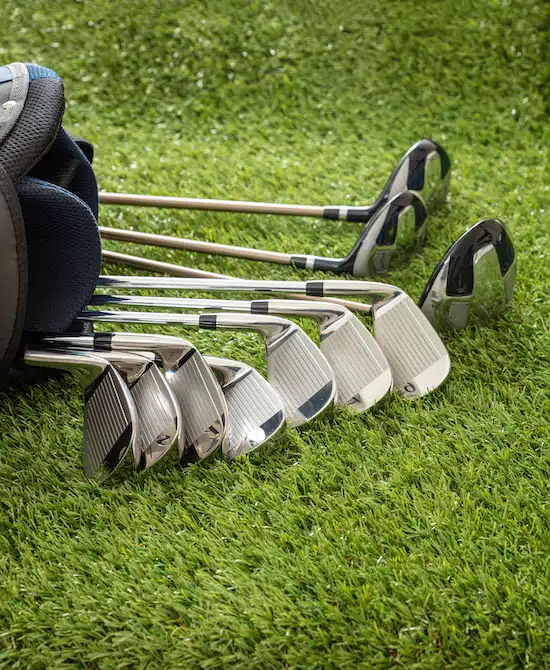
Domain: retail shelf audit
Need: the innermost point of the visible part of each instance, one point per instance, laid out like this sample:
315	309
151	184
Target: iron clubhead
110	415
255	410
418	358
474	282
363	374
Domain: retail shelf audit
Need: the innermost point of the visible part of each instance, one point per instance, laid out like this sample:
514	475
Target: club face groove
300	375
362	372
255	411
203	407
418	359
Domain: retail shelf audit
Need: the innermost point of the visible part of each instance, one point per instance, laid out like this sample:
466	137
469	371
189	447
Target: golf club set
147	393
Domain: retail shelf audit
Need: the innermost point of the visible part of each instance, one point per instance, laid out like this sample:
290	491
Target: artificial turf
414	535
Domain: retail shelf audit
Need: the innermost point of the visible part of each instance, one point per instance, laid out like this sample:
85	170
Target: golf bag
50	249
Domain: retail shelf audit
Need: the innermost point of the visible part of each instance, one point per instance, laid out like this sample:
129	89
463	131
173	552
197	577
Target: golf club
425	169
201	401
361	370
418	359
256	411
110	416
395	229
296	368
463	256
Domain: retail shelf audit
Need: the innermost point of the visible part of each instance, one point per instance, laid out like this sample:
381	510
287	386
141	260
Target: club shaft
209	205
116	258
194	245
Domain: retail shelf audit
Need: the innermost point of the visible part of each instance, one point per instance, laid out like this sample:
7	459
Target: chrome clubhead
300	374
474	282
199	398
110	415
159	415
393	233
255	410
418	358
363	374
425	169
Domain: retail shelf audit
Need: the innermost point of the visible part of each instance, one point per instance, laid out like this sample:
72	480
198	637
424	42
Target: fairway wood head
425	169
418	358
110	416
474	281
300	374
396	230
255	410
362	372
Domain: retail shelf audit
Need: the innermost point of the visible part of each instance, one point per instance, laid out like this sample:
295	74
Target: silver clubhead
203	407
363	374
255	410
159	414
418	358
474	282
110	415
300	375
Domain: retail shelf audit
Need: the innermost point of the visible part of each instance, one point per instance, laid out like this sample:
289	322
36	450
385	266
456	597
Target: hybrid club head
396	228
296	368
200	399
425	169
110	415
474	281
362	373
256	411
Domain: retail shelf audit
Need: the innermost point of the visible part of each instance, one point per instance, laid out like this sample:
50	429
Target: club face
418	359
255	411
396	230
110	416
474	282
203	407
110	424
425	169
300	375
363	375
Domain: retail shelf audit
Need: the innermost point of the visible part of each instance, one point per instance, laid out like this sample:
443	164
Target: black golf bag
50	249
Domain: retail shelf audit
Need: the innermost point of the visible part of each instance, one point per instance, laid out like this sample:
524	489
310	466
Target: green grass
416	535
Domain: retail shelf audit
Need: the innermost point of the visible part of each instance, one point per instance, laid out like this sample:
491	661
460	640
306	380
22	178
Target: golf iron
256	412
361	370
110	416
199	397
417	357
296	368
